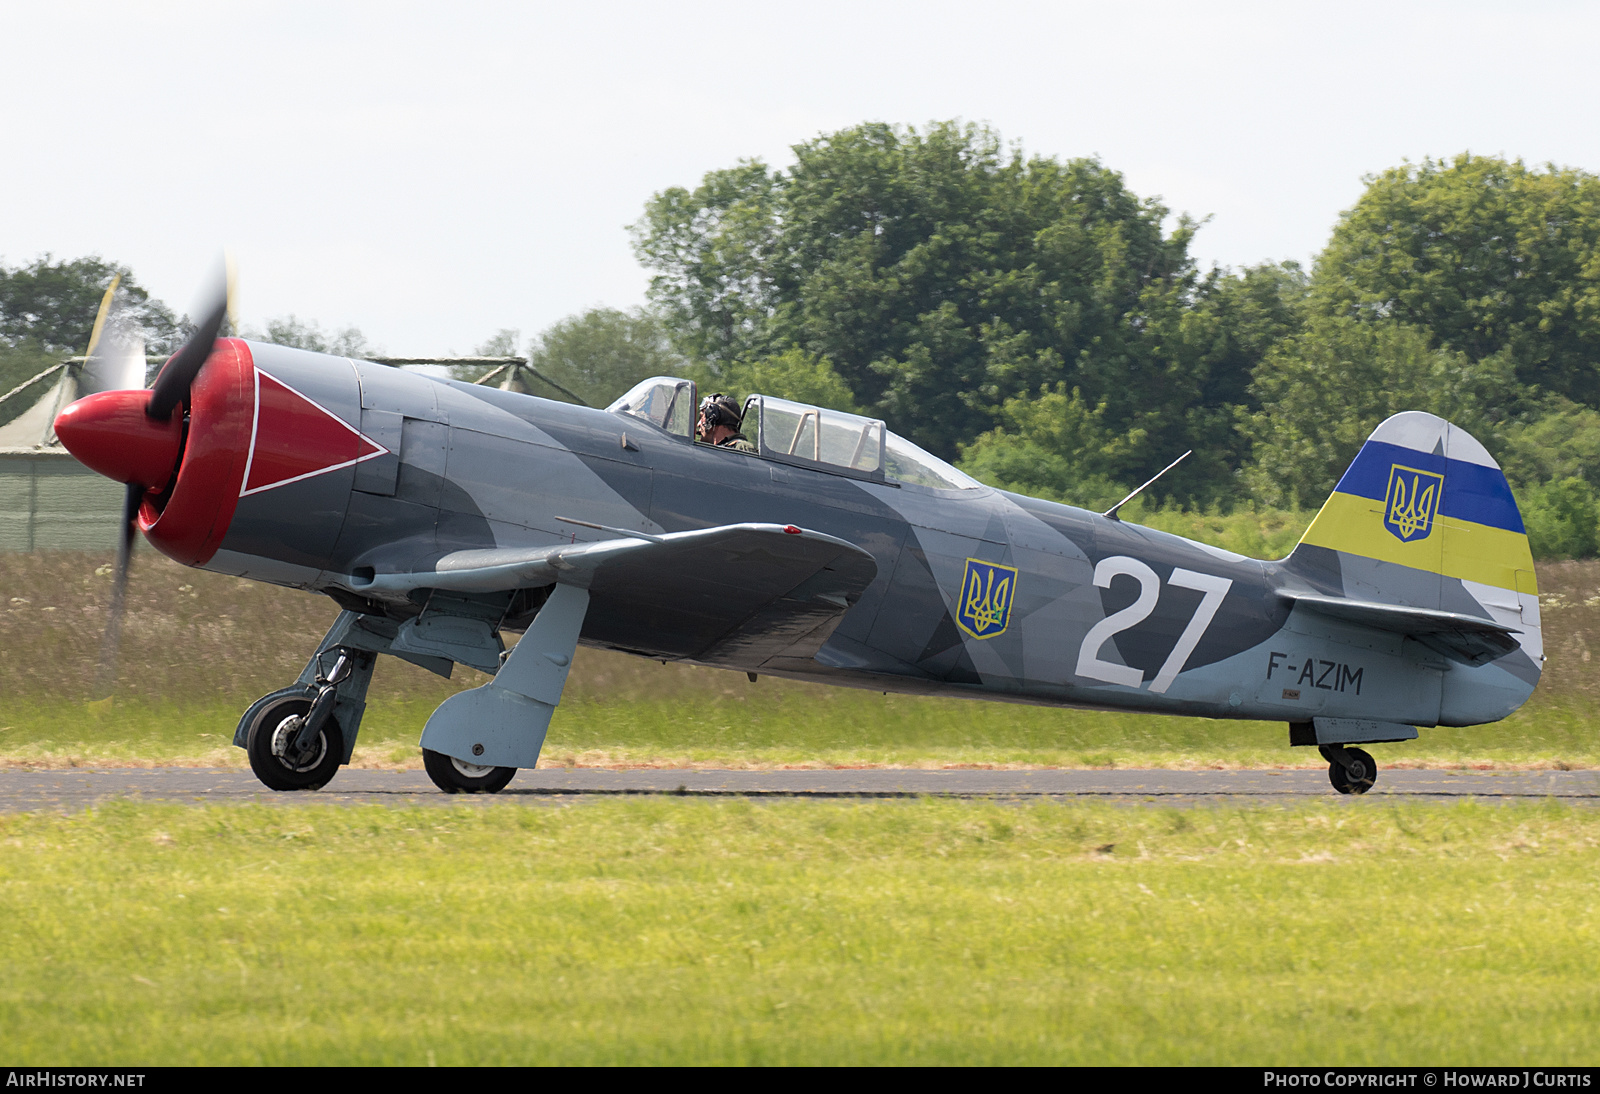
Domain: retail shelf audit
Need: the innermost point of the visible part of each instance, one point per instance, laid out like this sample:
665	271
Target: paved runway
80	788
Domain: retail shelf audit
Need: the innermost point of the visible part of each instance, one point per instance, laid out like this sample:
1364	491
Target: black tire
265	743
455	776
1358	777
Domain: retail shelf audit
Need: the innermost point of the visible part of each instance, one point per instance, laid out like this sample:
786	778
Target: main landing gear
473	743
1350	770
287	752
293	738
455	776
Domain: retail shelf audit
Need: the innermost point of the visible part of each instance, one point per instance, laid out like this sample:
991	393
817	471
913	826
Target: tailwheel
455	776
1351	770
280	759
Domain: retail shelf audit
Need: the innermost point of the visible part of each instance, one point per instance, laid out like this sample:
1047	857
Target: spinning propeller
137	437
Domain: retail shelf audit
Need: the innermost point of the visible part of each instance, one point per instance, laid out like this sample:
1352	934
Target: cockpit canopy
795	430
798	433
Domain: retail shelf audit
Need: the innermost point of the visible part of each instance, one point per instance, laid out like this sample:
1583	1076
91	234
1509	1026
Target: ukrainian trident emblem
986	594
1413	502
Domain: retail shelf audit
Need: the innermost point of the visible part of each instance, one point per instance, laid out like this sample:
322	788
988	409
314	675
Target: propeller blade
171	387
100	316
106	676
114	360
177	375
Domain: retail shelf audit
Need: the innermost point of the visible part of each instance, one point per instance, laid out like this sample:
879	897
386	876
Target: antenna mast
1112	512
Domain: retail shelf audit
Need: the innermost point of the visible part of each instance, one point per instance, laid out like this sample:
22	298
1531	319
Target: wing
738	594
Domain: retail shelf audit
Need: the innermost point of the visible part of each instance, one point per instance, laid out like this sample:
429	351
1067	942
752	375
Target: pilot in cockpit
719	424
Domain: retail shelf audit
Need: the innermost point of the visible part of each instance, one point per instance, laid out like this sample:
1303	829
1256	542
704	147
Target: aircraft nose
109	432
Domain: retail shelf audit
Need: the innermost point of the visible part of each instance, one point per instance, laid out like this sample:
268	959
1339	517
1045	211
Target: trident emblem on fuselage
1413	502
986	593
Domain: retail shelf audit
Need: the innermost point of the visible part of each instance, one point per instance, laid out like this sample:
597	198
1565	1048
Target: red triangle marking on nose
295	438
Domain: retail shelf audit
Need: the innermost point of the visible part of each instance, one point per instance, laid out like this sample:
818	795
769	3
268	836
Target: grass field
199	647
678	930
687	931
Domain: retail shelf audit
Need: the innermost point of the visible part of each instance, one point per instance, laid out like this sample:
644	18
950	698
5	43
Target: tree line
1047	329
1042	325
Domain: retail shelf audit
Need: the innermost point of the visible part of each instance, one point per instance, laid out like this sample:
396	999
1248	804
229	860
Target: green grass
687	931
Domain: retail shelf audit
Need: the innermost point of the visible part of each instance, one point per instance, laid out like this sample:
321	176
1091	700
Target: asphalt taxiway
73	789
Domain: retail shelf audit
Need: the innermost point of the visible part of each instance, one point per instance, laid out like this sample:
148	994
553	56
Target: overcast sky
431	173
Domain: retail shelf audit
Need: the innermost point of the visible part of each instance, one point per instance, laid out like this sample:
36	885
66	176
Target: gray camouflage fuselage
472	469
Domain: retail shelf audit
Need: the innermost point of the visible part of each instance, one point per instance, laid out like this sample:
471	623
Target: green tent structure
48	500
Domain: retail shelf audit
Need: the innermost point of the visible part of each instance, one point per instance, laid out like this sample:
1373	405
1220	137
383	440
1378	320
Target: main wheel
1356	776
455	776
271	734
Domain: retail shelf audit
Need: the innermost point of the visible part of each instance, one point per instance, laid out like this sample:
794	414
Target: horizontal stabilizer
1467	639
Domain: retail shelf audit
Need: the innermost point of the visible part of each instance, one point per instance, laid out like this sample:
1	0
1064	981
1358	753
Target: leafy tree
1491	258
52	305
1322	392
940	274
1560	440
1055	446
1462	288
943	274
600	353
1562	518
1236	320
308	334
712	250
504	343
1034	316
792	374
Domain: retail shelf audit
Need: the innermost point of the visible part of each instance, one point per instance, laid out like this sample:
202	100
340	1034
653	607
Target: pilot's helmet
720	409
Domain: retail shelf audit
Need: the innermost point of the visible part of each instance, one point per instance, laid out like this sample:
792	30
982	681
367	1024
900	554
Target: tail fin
1424	518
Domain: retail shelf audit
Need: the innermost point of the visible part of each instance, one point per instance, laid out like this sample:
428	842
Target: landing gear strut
1350	770
294	742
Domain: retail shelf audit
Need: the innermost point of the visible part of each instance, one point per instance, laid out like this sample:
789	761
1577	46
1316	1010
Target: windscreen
906	462
663	400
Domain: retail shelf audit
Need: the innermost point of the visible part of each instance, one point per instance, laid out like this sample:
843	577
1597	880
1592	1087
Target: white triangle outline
255	421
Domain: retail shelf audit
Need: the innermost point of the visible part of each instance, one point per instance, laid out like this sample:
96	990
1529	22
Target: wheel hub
471	771
283	737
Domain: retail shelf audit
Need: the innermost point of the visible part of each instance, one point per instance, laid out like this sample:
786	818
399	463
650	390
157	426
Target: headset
719	409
